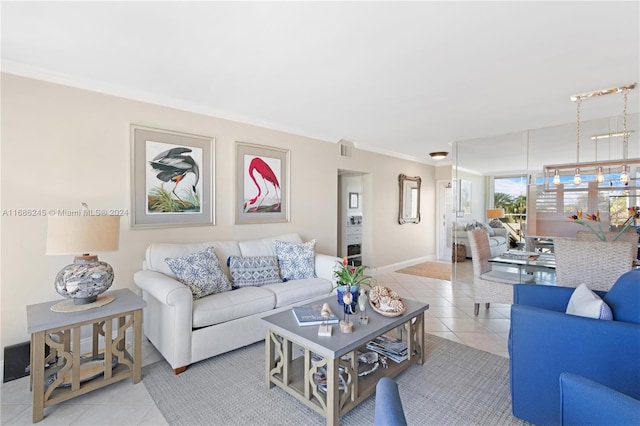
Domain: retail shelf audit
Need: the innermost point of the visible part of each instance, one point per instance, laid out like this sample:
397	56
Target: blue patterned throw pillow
201	272
254	270
297	261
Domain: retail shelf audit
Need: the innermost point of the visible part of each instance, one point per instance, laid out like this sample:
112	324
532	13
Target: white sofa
186	331
498	237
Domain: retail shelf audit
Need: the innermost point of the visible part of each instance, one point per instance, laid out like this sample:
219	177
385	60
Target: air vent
346	148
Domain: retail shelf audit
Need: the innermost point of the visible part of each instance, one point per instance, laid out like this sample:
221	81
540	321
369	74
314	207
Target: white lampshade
82	234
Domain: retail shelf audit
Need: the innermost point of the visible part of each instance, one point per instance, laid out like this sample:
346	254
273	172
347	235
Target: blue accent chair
544	342
585	402
388	411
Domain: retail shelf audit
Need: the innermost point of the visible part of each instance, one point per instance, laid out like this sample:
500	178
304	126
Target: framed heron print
262	184
172	176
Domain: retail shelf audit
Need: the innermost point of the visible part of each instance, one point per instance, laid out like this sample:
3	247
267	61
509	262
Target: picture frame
353	200
172	178
262	184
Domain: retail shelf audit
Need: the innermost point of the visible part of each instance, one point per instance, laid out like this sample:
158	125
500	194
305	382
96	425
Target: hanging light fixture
580	170
624	174
577	180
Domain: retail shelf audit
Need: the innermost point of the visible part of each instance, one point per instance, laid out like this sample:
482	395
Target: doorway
445	209
351	220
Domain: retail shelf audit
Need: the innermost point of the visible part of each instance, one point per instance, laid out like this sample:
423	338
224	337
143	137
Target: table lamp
87	277
495	215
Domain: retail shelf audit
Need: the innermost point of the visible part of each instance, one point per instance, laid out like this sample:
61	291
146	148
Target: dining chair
629	235
596	263
490	285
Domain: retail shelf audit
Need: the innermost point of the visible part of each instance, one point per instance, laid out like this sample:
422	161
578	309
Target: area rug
457	385
437	270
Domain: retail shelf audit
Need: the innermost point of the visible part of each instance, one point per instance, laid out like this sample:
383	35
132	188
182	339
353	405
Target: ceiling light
577	180
438	155
624	175
595	168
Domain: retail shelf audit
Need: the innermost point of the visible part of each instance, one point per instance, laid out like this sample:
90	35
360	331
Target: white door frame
444	223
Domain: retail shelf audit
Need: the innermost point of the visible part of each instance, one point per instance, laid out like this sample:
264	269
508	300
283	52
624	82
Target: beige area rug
457	385
441	271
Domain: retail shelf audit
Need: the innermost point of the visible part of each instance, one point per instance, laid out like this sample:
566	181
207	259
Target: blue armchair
585	402
544	342
388	411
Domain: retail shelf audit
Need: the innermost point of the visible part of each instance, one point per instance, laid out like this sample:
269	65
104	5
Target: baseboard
86	346
395	266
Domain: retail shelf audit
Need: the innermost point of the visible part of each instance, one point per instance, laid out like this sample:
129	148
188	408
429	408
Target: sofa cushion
297	261
230	305
264	247
585	303
201	272
156	254
497	241
299	290
254	270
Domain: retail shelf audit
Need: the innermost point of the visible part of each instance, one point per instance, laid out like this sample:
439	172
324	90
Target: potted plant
349	278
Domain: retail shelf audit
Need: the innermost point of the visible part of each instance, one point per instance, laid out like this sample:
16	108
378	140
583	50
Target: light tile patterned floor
450	316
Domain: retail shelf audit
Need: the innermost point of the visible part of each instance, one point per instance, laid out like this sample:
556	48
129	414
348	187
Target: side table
61	332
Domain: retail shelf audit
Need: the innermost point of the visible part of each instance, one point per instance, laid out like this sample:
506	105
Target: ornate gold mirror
409	211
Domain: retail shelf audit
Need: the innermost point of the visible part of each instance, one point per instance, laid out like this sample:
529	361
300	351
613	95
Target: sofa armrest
544	344
168	316
542	296
325	265
163	288
500	232
585	402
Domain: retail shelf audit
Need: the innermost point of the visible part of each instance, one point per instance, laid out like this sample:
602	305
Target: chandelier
552	173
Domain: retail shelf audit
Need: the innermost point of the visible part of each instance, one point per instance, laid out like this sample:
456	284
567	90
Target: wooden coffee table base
295	374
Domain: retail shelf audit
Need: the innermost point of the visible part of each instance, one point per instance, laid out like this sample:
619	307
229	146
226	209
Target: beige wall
62	146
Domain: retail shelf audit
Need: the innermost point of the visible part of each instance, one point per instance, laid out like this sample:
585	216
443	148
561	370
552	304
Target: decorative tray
386	302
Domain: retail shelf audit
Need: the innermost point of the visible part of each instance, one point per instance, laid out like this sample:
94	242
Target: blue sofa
585	402
388	410
544	342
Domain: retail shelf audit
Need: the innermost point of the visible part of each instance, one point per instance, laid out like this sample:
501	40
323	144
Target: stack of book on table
394	349
310	315
521	255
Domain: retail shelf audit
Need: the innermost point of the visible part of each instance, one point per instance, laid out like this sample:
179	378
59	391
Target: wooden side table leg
420	338
137	346
37	374
333	393
269	356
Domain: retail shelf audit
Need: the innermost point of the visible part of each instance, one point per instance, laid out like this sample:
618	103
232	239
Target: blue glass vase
354	293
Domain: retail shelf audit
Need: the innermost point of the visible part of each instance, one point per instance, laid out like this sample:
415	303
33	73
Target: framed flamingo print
262	184
172	177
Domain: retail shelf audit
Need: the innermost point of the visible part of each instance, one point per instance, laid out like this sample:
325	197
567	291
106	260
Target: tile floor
450	316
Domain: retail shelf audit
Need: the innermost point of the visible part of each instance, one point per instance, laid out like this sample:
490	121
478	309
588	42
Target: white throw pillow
585	303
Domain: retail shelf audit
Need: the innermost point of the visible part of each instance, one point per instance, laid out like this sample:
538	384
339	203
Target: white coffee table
295	373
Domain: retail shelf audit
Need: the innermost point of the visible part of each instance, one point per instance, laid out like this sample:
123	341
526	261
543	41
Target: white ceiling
396	77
